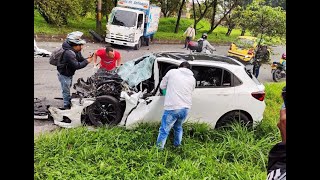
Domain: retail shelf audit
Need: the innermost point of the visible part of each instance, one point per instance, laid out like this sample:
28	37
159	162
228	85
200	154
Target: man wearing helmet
71	61
206	47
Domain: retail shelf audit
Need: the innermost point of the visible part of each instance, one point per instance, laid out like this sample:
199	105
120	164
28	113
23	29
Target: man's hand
89	59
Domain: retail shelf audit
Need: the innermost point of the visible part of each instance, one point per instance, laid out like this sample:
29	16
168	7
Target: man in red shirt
110	59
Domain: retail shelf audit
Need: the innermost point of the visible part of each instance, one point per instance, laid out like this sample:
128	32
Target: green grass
117	153
165	31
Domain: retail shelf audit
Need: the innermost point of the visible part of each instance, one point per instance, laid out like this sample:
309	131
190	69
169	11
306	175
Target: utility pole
98	22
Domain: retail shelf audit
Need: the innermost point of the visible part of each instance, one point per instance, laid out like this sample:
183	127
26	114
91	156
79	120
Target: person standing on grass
179	85
277	158
71	61
190	34
109	58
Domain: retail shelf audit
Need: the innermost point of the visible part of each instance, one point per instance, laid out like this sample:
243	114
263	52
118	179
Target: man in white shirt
190	34
179	84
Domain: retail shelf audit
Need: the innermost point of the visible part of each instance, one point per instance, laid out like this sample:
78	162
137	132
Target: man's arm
74	63
282	125
210	46
119	60
164	81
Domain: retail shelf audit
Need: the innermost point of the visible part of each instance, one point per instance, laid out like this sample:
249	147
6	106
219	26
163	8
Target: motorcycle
193	46
278	70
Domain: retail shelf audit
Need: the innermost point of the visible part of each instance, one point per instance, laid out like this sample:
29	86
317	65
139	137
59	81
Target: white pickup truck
132	23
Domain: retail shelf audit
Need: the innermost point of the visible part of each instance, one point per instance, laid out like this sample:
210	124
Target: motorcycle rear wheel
276	75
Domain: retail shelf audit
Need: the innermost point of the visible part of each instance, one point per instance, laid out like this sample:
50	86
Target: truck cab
132	23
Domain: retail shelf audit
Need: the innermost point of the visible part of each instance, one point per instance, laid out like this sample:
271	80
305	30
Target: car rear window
244	43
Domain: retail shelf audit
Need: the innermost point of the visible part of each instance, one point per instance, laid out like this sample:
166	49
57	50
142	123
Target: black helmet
204	35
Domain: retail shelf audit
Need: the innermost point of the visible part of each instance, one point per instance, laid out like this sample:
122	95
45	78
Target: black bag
200	45
277	162
56	56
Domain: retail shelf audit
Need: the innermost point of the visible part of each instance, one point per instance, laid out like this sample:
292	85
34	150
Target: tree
230	6
169	7
203	9
179	15
266	20
57	12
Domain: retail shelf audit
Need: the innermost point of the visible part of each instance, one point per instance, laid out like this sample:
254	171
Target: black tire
231	117
276	75
105	110
137	46
96	36
147	40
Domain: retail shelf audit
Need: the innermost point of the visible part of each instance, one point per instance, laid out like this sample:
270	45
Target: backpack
56	56
200	44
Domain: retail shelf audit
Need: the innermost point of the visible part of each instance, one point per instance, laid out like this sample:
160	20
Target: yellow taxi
243	48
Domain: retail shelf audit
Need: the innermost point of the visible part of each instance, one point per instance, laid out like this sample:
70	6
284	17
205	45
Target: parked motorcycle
278	71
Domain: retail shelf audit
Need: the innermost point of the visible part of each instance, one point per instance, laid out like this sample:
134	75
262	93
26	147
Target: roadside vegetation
164	33
117	153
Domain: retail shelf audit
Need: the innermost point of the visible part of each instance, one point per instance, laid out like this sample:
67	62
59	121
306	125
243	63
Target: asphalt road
46	84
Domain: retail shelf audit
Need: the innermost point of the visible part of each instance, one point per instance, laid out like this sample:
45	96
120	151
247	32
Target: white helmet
75	38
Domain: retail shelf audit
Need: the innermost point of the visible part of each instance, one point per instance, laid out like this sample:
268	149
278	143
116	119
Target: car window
211	77
244	43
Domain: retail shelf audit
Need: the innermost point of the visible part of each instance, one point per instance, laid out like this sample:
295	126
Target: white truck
132	23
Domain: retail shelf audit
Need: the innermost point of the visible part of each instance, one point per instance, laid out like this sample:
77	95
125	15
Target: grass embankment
117	153
165	31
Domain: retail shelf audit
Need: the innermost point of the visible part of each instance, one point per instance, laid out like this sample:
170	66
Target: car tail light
250	52
259	95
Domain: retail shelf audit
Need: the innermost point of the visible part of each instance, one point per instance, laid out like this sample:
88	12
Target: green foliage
82	24
165	31
265	19
58	12
117	153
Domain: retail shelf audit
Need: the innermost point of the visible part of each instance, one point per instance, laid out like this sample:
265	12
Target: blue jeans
66	83
172	118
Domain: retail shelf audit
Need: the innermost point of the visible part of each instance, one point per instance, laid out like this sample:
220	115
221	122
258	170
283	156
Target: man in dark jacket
71	61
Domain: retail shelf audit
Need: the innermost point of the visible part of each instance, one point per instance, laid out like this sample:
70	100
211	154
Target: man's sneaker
65	107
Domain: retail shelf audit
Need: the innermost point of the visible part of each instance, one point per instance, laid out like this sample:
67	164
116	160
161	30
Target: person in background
277	158
206	47
190	34
109	58
179	85
71	61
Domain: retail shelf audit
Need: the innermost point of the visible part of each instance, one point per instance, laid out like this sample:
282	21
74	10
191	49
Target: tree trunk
214	5
243	31
229	31
194	17
98	20
179	15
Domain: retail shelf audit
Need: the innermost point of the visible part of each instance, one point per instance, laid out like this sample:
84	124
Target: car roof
211	58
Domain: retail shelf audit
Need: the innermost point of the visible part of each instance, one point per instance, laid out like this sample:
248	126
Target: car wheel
105	110
231	117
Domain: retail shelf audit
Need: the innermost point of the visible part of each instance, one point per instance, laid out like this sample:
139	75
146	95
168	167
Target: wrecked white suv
225	92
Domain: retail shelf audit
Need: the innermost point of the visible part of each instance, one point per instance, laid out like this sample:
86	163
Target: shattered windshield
137	70
124	18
